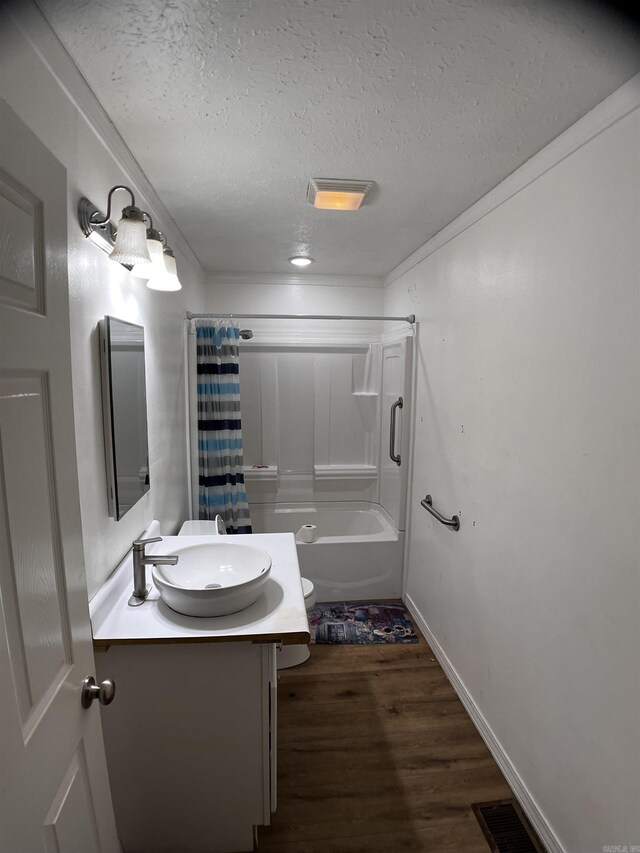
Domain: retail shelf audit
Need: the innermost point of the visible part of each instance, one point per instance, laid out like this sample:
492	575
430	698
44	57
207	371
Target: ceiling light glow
338	201
300	261
337	193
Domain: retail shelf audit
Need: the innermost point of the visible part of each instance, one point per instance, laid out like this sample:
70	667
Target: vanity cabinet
191	744
191	735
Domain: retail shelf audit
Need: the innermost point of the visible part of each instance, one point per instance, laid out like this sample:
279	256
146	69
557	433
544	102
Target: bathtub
357	554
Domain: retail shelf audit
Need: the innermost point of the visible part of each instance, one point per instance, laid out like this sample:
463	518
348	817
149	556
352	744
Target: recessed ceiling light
337	193
300	261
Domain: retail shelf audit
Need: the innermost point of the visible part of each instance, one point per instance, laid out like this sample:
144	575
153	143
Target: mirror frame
106	363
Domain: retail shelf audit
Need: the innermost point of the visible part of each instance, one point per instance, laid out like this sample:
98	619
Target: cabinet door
188	736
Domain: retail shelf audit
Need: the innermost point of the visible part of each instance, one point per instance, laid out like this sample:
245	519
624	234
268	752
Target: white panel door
54	791
396	387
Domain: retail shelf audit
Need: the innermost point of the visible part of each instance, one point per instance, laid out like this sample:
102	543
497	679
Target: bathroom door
396	384
54	790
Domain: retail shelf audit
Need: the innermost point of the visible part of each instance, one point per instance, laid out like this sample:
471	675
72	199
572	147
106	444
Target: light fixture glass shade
145	271
166	279
326	200
131	242
338	193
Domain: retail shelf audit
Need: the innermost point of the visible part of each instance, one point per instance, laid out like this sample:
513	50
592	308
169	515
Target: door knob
103	692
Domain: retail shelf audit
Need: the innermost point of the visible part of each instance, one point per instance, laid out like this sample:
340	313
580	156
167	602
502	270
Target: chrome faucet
140	560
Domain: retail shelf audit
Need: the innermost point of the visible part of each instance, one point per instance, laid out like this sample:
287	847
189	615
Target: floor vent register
506	828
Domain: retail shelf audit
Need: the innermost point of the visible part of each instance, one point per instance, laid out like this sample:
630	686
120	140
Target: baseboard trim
529	805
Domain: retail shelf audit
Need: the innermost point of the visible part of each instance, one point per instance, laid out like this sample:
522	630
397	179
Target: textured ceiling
230	106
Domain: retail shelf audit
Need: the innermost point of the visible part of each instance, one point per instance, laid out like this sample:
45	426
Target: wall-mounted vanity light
128	242
161	273
155	246
165	277
142	250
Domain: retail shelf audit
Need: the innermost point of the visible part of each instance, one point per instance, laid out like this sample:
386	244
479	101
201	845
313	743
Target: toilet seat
309	592
288	656
204	527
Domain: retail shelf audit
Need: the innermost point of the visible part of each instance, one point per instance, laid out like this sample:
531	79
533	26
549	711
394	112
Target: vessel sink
212	579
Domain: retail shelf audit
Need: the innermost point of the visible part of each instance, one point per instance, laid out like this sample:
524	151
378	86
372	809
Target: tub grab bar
453	522
395	457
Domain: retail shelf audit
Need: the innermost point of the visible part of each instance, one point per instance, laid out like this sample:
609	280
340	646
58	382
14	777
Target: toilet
287	656
207	527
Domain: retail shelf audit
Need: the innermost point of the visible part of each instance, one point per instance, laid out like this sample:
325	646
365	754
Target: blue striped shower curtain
220	476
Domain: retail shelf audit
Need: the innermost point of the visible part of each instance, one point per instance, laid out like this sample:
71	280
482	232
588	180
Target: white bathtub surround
258	473
526	425
309	434
357	552
370	386
316	394
345	472
321	437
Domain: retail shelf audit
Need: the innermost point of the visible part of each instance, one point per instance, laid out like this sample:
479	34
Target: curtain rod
411	318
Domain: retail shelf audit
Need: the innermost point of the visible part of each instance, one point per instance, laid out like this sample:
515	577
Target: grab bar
453	522
392	431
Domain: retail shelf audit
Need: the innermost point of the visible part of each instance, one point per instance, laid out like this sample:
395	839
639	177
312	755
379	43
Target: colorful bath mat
361	622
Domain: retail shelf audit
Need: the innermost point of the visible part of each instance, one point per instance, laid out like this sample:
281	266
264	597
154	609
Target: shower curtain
221	487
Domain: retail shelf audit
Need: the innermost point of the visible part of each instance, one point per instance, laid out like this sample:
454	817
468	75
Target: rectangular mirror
124	404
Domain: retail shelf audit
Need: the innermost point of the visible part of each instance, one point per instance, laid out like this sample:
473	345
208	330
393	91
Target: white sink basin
212	579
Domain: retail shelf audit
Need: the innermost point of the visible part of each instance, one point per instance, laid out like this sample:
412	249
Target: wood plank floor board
420	719
388	686
445	837
376	752
373	753
411	769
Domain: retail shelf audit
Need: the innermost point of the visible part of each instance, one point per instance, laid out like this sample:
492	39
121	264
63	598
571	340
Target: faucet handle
140	543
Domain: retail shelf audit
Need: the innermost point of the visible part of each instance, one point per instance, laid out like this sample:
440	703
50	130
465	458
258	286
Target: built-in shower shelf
268	473
345	472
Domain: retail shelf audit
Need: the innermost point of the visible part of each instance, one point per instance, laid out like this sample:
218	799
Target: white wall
527	425
56	107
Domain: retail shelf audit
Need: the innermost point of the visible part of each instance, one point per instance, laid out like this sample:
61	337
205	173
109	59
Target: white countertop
279	614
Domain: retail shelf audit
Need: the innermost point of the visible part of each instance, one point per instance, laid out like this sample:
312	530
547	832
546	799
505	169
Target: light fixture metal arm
154	233
111	192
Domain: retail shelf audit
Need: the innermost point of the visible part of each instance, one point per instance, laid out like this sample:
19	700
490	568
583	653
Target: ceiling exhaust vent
506	828
337	193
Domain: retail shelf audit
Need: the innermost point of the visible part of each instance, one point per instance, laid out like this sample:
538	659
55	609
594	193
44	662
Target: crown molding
274	279
614	108
35	28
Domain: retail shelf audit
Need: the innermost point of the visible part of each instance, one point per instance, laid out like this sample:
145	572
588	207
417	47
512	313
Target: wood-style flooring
376	753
